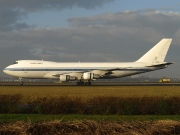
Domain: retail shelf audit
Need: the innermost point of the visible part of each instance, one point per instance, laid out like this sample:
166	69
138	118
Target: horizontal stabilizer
163	64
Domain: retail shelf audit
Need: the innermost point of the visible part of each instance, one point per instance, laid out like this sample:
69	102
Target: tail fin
158	53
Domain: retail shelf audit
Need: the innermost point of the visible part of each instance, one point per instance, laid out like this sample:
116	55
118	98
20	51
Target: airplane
84	73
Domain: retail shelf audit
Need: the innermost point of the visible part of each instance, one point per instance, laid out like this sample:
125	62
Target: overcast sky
88	31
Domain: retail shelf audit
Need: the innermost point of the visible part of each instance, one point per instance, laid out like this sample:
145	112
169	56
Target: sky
88	31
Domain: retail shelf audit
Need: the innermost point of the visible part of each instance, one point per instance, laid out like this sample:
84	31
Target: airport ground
16	83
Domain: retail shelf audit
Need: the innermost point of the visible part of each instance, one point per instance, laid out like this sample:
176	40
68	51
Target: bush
10	103
97	105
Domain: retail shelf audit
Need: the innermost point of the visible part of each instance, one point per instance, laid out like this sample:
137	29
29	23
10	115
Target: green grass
65	118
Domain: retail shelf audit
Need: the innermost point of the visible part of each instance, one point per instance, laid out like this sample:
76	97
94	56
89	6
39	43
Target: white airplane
84	73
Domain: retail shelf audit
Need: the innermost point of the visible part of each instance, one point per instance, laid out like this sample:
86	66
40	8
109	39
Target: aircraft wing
111	69
100	72
68	73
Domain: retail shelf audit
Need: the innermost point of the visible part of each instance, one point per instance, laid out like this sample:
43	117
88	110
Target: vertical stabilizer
158	53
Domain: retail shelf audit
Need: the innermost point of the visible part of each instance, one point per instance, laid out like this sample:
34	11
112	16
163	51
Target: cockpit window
15	62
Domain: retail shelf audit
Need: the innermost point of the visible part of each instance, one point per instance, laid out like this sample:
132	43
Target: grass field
52	96
91	91
31	92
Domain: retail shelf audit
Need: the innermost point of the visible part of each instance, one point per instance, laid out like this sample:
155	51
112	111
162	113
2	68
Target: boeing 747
84	73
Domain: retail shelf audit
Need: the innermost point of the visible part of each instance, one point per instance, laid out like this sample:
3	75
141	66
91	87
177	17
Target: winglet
158	53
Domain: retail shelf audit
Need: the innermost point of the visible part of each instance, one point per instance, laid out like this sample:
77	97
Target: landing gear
81	83
21	81
87	83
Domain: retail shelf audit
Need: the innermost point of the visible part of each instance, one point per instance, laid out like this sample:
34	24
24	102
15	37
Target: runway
93	84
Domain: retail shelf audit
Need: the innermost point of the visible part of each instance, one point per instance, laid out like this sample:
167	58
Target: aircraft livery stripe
76	69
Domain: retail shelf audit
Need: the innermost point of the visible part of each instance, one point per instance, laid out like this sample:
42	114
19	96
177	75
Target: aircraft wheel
87	83
80	83
21	83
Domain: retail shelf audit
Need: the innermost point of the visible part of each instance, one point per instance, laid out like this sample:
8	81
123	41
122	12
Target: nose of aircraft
8	71
5	70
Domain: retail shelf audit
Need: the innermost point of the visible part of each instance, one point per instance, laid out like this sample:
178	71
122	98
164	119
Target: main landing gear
81	83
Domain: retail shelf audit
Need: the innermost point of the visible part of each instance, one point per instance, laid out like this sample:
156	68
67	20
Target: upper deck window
15	62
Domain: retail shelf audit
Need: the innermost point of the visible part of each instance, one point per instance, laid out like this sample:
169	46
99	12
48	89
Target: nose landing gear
21	81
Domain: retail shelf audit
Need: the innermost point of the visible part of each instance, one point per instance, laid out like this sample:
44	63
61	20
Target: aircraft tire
21	83
87	83
80	83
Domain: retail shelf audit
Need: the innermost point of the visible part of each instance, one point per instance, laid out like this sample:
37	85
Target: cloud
9	20
163	22
13	11
101	32
36	5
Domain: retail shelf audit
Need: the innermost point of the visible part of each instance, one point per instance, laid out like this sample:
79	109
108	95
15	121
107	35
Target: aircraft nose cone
5	70
8	71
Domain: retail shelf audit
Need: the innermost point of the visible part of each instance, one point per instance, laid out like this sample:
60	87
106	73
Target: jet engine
88	76
66	78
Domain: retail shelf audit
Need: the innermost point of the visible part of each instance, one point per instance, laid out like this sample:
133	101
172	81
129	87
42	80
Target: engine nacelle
88	76
64	78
